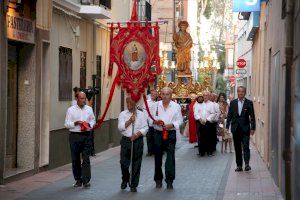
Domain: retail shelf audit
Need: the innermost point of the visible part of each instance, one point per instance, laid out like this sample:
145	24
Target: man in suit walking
242	119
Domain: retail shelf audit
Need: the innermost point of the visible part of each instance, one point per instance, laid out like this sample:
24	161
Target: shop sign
20	29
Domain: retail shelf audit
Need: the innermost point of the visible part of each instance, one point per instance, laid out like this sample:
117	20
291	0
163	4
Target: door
275	78
11	137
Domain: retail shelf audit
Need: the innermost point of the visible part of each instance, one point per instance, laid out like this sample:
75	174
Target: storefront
24	56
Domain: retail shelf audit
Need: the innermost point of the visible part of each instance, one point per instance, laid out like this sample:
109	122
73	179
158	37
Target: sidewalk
255	185
205	178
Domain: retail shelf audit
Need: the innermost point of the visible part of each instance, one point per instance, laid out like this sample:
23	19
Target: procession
211	118
149	99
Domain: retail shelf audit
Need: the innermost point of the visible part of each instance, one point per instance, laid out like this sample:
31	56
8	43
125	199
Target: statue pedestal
183	88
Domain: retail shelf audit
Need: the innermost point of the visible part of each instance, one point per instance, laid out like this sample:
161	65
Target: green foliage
221	59
209	9
221	84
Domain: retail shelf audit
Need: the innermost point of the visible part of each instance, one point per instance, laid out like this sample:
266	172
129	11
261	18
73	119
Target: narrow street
206	178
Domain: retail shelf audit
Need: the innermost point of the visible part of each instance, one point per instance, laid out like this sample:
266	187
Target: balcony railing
105	3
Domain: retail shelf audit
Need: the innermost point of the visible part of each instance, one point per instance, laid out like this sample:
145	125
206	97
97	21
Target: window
82	69
65	74
148	11
106	3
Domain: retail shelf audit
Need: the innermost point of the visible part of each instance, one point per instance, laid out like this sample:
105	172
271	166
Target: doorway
12	111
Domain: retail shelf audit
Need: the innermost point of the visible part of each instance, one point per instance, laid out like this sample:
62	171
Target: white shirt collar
76	105
243	100
160	103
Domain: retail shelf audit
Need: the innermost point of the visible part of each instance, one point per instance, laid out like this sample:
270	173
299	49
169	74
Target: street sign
241	71
241	63
246	5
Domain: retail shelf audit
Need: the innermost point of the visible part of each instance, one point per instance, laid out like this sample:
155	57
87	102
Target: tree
221	84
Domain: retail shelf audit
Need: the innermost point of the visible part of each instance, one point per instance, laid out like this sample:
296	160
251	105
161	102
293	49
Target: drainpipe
287	154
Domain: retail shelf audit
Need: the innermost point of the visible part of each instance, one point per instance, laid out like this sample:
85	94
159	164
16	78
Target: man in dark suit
241	117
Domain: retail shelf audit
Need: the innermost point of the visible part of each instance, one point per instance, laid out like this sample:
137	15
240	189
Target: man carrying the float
167	120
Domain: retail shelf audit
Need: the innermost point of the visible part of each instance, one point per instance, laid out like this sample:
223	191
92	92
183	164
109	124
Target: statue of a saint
183	42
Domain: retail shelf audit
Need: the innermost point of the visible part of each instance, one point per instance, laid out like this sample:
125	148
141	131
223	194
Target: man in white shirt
150	135
132	124
168	118
79	120
205	115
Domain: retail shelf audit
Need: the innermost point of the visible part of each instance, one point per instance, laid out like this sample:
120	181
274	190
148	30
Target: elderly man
205	115
79	120
168	118
241	117
132	124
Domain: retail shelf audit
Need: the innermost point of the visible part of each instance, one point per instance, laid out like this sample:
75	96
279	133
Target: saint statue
183	43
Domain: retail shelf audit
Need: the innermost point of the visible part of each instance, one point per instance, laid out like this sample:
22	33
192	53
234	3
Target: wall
26	108
3	86
164	10
296	106
260	84
275	43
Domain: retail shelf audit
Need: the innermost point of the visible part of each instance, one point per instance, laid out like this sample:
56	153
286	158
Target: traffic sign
241	63
241	71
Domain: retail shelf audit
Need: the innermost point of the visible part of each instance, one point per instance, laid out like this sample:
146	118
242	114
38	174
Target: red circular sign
241	63
232	78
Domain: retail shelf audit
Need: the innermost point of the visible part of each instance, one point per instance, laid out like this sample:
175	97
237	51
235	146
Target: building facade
80	45
24	30
64	43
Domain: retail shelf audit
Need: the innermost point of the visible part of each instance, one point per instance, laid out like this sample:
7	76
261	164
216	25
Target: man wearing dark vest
241	116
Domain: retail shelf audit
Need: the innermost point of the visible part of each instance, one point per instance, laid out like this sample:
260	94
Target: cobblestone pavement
206	178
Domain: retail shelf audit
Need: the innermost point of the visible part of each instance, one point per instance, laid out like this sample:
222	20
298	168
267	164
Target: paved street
205	178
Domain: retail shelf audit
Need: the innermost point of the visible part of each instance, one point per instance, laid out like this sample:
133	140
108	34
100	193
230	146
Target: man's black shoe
133	189
238	169
247	168
123	185
86	185
158	184
169	186
77	184
149	154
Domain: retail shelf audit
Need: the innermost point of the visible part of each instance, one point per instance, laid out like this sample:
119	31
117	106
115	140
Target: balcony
95	9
